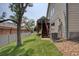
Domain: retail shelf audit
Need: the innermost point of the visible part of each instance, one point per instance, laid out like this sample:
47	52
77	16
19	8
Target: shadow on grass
16	51
27	41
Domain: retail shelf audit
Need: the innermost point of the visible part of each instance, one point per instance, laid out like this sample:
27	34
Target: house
64	20
10	28
8	32
7	28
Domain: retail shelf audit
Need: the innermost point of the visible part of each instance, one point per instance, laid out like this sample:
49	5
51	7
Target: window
52	12
53	24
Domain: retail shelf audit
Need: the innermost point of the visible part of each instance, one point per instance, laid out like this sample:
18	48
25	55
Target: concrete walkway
68	48
45	38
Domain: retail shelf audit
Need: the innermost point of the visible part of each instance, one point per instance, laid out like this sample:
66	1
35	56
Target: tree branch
24	7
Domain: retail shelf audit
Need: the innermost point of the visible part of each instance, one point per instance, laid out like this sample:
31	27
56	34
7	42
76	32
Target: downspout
47	10
67	21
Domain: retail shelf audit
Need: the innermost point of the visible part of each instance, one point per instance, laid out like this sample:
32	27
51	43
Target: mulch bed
68	48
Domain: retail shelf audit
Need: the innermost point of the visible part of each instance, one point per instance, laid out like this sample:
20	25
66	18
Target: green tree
30	25
41	20
3	15
19	10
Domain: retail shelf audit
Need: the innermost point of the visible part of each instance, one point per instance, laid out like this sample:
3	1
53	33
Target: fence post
8	39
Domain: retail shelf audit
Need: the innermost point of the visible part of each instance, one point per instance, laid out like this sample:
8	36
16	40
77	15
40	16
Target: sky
35	12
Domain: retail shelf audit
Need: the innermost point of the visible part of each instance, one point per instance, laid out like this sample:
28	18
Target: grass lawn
32	46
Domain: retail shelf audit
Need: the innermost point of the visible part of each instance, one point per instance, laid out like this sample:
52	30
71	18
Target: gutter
47	9
67	21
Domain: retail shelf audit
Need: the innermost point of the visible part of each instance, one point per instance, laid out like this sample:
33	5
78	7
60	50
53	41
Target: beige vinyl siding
57	11
60	10
73	18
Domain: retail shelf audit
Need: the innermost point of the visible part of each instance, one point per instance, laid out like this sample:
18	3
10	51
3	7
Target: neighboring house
64	20
8	32
9	28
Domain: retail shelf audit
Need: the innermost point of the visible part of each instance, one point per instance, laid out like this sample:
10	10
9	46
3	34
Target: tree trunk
19	33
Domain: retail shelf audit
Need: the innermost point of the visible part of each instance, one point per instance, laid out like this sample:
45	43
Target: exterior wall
5	31
7	28
73	20
57	11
